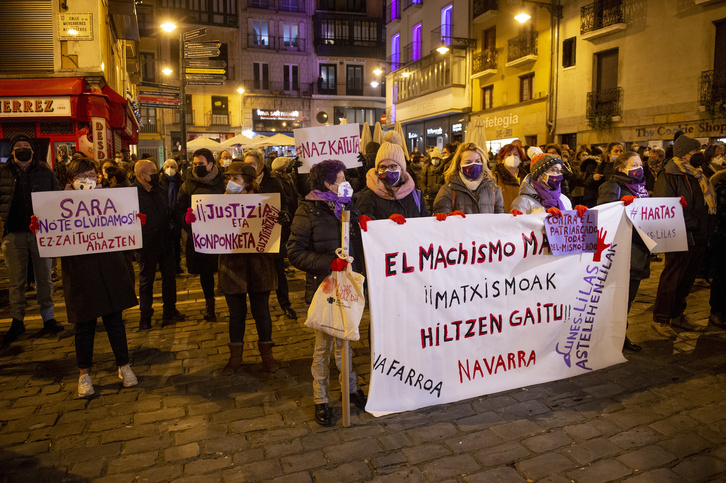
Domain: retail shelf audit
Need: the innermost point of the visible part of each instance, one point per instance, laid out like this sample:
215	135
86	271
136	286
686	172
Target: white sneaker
127	376
85	386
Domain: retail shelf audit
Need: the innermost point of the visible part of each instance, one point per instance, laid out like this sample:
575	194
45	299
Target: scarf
549	198
207	178
375	184
638	189
709	194
331	198
506	176
471	184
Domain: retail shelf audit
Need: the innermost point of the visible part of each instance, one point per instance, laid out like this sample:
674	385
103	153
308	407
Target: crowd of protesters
456	179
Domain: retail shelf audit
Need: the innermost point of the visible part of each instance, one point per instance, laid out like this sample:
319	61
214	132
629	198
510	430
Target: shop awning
71	86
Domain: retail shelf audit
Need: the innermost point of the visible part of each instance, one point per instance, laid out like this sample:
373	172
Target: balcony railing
712	87
195	12
441	35
351	6
393	11
279	5
256	41
601	14
395	61
348	35
148	127
189	116
483	6
411	53
411	3
605	103
218	118
522	45
268	42
483	61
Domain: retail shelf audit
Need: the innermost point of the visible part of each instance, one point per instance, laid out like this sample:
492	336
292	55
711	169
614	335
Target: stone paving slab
660	417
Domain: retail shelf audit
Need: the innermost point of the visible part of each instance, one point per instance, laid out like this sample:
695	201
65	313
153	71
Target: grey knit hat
685	145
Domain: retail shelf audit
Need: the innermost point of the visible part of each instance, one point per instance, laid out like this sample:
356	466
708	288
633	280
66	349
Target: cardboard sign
569	234
659	221
236	223
477	305
315	144
90	221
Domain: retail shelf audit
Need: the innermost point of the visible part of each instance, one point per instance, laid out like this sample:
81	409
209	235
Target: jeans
676	280
321	366
116	331
259	304
18	248
148	259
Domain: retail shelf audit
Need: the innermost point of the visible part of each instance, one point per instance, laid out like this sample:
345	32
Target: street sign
167	94
202	53
212	44
205	76
158	105
195	70
204	63
159	100
196	33
158	86
206	82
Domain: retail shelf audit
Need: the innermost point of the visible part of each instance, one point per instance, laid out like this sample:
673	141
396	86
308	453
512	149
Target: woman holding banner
97	285
540	189
315	235
247	274
390	192
626	184
469	186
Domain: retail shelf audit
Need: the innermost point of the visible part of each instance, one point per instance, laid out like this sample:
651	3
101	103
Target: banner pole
345	346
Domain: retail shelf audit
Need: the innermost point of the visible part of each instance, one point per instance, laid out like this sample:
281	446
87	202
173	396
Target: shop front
276	121
661	135
65	116
526	122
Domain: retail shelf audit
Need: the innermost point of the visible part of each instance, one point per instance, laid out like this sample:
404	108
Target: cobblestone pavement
659	417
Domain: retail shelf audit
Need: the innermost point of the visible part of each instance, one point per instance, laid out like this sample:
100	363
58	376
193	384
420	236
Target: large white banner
90	221
315	144
475	306
236	223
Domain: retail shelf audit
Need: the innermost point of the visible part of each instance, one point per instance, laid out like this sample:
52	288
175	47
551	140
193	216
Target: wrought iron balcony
257	41
483	6
395	61
483	61
263	4
354	6
601	14
411	53
348	35
712	87
195	12
149	126
291	6
605	103
522	46
393	11
216	118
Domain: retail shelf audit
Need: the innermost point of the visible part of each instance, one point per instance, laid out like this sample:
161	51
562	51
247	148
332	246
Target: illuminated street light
374	84
168	26
442	50
167	71
522	17
378	71
241	90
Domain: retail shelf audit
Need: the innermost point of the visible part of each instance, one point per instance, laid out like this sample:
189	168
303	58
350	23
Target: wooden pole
345	346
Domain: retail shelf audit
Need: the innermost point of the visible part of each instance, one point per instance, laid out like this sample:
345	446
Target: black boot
51	326
322	414
359	399
210	316
16	328
630	345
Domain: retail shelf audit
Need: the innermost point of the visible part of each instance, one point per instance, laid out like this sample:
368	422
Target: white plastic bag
338	303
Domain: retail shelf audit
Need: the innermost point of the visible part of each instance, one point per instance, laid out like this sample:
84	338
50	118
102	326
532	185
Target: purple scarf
638	189
549	198
330	197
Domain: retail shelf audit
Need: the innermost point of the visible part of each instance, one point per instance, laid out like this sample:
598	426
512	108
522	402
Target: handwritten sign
236	223
481	306
569	234
315	144
90	221
659	222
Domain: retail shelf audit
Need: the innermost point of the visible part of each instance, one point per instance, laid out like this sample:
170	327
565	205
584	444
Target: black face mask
200	171
697	160
154	179
23	154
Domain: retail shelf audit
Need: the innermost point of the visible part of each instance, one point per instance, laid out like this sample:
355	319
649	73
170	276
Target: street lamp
443	48
170	27
167	71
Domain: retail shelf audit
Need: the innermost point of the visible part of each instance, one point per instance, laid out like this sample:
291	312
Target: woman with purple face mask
540	190
470	187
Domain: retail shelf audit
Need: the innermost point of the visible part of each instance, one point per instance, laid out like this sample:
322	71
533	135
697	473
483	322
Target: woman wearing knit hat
540	190
390	191
470	187
682	179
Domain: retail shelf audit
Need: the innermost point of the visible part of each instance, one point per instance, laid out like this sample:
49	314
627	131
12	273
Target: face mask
170	172
345	190
435	161
84	184
226	162
636	174
200	171
472	171
553	181
154	179
511	161
392	177
23	154
718	161
233	187
614	157
697	160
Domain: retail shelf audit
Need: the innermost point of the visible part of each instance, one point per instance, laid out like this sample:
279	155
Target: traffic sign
195	70
207	82
205	76
158	86
196	33
212	44
159	100
158	105
169	94
202	53
203	63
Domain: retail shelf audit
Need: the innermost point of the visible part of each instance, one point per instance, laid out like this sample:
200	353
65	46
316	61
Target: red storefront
65	115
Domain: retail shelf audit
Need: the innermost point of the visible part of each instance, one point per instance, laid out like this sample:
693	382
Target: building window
395	52
148	119
145	18
357	115
220	112
487	94
261	75
489	39
148	67
261	34
416	43
290	78
525	87
447	24
568	52
290	36
354	76
327	83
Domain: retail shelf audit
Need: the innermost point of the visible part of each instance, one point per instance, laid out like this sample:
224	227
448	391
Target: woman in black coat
96	285
170	181
204	178
315	236
602	173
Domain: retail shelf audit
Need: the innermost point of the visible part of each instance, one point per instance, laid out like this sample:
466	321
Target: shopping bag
338	303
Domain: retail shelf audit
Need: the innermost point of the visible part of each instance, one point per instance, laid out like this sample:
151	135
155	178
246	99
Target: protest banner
236	223
478	305
571	233
315	144
90	221
659	221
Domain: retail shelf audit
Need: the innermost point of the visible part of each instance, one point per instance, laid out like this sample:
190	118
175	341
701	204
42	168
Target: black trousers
148	260
676	280
259	304
116	331
282	292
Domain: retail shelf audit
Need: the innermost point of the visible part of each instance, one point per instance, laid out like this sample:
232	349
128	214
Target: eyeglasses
391	167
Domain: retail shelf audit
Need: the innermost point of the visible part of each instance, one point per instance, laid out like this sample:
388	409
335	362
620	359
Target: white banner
315	144
659	222
236	223
90	221
474	306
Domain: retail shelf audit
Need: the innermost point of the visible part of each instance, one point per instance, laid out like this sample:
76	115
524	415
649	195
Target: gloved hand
283	218
581	209
440	216
362	159
338	264
397	218
190	217
363	222
627	199
296	163
515	212
142	218
554	211
457	213
34	225
683	202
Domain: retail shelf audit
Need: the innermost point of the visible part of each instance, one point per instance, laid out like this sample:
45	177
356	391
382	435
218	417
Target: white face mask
435	161
233	187
226	162
512	161
84	184
718	160
170	172
345	190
